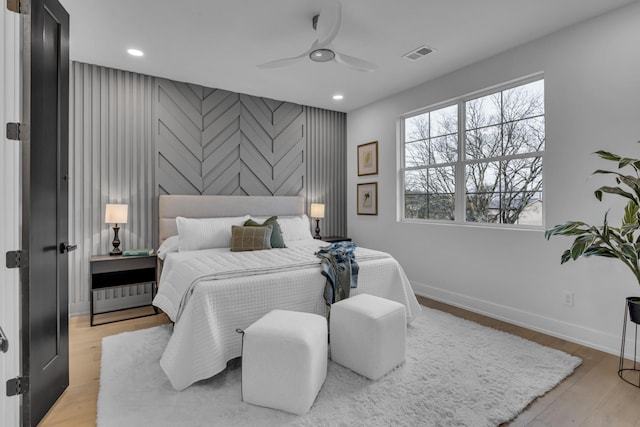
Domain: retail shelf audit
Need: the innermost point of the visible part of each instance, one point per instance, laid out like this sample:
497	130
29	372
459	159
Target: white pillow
295	228
206	233
168	246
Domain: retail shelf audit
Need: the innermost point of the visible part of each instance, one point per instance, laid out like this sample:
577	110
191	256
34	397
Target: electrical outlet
567	298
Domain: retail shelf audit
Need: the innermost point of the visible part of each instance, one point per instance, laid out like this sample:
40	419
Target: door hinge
16	131
17	385
19	6
16	259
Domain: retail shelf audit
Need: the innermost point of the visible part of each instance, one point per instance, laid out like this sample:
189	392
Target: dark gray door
45	211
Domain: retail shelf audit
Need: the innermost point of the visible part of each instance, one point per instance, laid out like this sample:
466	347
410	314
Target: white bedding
231	290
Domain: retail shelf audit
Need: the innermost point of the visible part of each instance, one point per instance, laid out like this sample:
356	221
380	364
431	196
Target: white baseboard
546	325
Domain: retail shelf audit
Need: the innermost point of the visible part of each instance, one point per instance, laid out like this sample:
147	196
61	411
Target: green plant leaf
632	182
626	161
569	228
616	238
608	156
605	172
628	231
613	190
580	245
629	251
630	213
599	251
605	227
566	256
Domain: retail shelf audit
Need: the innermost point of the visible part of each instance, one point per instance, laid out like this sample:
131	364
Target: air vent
418	53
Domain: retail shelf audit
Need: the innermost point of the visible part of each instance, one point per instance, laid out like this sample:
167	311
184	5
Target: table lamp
116	214
317	212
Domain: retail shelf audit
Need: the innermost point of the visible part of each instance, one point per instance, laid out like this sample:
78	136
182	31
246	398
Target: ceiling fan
327	25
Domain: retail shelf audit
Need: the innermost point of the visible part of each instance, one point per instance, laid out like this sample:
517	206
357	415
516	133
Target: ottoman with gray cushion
284	360
368	334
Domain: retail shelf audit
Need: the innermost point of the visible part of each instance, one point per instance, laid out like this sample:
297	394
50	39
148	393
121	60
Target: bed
210	293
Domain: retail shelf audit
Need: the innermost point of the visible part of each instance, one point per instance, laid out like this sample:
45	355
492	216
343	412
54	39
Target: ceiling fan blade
329	22
278	63
355	63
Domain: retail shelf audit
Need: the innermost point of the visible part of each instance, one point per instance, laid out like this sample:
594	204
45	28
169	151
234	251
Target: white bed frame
172	206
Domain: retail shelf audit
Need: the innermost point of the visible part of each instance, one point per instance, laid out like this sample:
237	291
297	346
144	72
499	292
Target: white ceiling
218	43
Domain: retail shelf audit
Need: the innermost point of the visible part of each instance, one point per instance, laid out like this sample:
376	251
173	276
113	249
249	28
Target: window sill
508	227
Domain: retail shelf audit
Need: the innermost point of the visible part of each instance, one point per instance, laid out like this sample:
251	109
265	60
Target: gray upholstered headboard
170	207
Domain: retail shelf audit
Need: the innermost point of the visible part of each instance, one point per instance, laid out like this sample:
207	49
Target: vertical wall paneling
111	161
326	167
135	137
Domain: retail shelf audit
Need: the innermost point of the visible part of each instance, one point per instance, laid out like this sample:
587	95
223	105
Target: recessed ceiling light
135	52
338	97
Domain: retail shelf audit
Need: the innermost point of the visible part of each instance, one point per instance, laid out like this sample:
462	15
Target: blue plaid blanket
340	268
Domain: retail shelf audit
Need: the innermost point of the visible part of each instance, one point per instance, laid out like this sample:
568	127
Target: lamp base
116	242
317	235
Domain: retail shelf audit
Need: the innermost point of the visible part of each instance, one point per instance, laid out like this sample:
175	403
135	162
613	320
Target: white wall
9	210
592	79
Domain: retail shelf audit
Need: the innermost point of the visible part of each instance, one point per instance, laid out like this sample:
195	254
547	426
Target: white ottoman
368	334
284	360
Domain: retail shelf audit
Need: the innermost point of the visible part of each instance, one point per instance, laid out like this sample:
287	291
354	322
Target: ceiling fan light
322	55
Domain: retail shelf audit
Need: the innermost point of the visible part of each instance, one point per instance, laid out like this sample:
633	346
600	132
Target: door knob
66	247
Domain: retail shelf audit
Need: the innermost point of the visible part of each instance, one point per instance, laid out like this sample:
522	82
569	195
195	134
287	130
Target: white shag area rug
457	373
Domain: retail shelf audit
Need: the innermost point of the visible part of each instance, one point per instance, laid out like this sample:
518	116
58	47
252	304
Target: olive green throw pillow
276	236
250	238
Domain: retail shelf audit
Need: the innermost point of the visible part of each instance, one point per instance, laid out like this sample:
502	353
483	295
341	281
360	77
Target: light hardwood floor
77	405
592	396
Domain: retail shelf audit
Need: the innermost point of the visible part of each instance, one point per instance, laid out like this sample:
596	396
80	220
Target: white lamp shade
317	210
116	214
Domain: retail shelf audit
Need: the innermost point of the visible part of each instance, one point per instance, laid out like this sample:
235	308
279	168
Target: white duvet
211	293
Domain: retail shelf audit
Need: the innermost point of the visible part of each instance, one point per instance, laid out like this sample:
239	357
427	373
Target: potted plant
604	240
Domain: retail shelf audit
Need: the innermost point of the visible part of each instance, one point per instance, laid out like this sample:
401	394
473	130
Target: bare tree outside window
501	159
431	150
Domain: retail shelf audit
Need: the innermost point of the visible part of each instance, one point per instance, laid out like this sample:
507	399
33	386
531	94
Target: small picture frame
368	198
368	159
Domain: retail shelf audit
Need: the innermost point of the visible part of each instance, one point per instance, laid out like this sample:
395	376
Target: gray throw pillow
277	241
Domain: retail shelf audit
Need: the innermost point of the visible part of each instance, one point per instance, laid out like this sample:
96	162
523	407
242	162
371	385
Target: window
478	160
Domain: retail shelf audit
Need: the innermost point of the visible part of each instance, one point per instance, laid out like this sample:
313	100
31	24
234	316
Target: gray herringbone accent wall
135	136
211	141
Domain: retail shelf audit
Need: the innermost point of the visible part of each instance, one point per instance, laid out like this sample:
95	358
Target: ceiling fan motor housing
322	55
322	50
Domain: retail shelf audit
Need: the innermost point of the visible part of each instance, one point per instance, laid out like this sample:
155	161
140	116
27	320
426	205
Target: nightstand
334	239
112	272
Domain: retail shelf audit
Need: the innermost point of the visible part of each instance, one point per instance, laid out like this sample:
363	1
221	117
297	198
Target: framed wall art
368	159
368	198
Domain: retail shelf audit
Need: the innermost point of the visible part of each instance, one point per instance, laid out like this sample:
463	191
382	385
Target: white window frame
462	162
